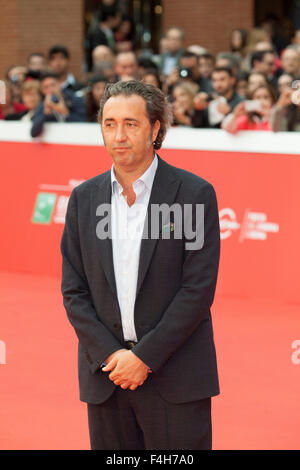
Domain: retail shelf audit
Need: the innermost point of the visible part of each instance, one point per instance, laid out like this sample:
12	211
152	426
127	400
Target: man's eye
131	124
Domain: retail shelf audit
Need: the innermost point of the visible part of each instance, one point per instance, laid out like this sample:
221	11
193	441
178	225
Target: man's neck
126	177
228	94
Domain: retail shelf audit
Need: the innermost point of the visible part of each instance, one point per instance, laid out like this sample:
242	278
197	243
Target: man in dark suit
140	305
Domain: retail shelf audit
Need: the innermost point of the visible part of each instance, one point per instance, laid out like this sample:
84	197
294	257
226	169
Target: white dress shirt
127	223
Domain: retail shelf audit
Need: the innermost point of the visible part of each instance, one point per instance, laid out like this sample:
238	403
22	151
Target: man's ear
155	130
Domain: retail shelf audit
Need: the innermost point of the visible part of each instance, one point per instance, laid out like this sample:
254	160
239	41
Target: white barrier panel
177	138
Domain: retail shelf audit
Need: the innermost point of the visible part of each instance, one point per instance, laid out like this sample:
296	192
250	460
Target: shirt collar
147	177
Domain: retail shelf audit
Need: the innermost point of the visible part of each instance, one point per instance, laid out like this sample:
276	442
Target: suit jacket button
117	326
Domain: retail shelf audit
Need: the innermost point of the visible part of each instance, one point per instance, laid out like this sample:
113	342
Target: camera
54	98
252	106
185	73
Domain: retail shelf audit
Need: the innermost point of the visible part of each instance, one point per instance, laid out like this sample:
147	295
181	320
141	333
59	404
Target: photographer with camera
253	114
58	105
188	70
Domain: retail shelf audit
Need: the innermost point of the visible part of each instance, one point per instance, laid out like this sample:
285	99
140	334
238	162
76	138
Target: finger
114	376
124	385
133	387
111	365
117	382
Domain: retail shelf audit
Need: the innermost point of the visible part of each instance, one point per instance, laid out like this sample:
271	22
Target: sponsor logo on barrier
52	206
254	225
228	222
2	352
296	354
43	209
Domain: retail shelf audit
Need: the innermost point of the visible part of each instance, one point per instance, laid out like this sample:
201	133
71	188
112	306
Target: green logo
44	206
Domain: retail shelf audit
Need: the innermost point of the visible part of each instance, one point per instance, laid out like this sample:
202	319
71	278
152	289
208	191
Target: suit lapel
164	190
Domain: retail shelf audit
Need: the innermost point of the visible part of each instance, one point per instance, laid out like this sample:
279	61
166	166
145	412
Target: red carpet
259	406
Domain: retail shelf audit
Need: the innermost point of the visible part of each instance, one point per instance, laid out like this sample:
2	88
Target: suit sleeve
191	305
96	340
38	120
77	111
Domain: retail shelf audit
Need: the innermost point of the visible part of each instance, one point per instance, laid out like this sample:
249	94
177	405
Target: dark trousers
141	419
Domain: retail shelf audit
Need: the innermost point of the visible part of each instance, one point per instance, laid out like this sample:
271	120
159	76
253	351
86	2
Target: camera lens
184	73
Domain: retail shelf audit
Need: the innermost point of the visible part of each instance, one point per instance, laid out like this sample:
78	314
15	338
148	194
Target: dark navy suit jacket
175	291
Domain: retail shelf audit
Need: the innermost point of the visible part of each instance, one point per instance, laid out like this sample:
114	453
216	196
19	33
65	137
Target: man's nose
120	134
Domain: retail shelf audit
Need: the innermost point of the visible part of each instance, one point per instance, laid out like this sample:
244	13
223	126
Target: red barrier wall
258	196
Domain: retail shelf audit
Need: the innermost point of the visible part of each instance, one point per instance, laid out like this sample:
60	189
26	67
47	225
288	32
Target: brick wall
34	26
208	22
8	34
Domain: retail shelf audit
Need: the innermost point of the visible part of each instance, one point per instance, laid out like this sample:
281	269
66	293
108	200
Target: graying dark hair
157	106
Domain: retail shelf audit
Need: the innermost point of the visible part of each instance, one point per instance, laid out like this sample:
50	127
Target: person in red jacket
253	114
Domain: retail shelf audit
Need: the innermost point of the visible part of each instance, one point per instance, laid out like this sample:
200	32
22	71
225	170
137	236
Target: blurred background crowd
250	84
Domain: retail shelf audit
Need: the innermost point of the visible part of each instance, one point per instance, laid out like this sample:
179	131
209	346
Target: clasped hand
128	370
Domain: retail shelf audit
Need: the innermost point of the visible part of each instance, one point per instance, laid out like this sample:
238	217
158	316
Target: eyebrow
125	119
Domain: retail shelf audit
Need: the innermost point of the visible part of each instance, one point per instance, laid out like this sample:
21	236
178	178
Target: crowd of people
252	85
